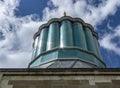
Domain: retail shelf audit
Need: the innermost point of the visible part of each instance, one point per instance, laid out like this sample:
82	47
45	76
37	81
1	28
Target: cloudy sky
20	19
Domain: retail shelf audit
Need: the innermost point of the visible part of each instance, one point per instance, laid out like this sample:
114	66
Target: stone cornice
60	71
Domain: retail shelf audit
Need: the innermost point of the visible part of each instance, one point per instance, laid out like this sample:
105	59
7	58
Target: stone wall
37	78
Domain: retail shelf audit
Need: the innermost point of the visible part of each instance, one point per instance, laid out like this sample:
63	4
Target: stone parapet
59	78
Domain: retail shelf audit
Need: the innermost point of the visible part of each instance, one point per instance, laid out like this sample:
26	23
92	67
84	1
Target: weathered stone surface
59	78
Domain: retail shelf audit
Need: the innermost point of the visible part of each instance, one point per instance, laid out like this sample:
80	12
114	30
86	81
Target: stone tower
66	42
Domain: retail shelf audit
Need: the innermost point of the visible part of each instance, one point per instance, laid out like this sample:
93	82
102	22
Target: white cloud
16	47
107	43
80	8
109	26
14	59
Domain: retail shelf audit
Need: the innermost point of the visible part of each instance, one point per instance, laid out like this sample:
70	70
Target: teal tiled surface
66	39
70	53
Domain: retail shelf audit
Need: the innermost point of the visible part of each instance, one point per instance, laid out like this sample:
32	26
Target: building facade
66	42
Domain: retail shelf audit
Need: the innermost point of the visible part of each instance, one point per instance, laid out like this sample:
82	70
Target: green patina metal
68	53
42	42
66	38
34	53
97	48
79	36
53	36
89	40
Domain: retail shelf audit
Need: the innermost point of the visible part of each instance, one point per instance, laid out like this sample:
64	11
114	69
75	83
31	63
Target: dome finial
64	13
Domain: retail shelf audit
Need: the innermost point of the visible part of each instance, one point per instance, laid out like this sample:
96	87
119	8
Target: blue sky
20	19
